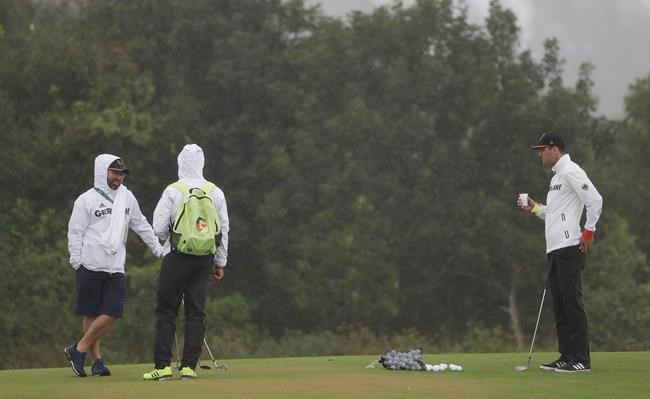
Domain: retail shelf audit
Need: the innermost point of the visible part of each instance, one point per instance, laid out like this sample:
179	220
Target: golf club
221	366
178	353
203	366
530	353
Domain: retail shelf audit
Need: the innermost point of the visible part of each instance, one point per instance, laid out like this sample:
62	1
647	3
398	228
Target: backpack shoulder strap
208	187
181	186
184	188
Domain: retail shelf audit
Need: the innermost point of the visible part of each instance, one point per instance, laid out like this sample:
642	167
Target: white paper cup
523	198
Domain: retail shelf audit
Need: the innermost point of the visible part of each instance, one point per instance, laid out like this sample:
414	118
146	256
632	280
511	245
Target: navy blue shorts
100	293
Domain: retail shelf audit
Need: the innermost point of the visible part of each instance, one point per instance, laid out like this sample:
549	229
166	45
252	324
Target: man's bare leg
99	326
94	349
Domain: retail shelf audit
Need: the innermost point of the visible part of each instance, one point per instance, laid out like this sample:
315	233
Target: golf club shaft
208	348
539	314
178	352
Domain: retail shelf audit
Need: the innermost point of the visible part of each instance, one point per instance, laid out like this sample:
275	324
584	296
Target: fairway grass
615	375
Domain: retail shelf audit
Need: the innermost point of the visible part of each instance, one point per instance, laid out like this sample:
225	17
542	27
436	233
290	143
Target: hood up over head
101	171
190	162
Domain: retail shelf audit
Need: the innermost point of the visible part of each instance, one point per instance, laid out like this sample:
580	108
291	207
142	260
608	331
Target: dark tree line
370	164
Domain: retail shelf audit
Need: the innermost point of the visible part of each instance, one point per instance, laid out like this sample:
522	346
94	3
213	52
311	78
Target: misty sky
610	34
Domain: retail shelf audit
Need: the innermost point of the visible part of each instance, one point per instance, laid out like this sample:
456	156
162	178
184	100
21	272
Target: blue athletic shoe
99	369
77	359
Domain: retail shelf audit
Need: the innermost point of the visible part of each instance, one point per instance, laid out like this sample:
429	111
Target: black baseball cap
119	164
550	140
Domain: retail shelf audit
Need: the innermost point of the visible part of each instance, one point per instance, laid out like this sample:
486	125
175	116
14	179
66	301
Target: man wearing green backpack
192	218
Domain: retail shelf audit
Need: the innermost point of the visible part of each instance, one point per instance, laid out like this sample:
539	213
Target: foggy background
611	35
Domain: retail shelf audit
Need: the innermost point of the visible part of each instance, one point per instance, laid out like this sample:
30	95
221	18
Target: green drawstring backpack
197	228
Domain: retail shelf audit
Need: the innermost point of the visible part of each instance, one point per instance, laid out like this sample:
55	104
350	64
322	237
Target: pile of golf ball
412	360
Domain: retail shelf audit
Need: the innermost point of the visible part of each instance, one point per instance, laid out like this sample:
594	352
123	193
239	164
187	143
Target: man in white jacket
570	193
185	277
97	234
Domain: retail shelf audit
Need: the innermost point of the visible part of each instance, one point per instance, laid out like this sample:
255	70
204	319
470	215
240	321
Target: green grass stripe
615	375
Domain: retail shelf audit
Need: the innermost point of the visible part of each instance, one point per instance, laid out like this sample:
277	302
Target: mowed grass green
615	375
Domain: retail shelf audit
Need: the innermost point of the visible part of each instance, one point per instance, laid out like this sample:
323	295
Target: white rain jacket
91	218
190	171
570	192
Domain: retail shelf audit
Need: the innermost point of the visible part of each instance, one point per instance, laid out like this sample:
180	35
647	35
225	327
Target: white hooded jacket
91	218
190	171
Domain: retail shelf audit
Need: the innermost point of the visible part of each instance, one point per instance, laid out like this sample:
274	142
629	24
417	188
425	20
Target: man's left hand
586	240
217	274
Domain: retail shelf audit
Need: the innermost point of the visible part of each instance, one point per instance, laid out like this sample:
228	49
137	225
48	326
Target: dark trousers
565	282
182	277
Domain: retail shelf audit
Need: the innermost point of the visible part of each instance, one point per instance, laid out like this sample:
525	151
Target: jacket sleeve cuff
536	209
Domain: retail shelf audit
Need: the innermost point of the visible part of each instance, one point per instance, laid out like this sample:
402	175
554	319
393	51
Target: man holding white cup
570	192
523	198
